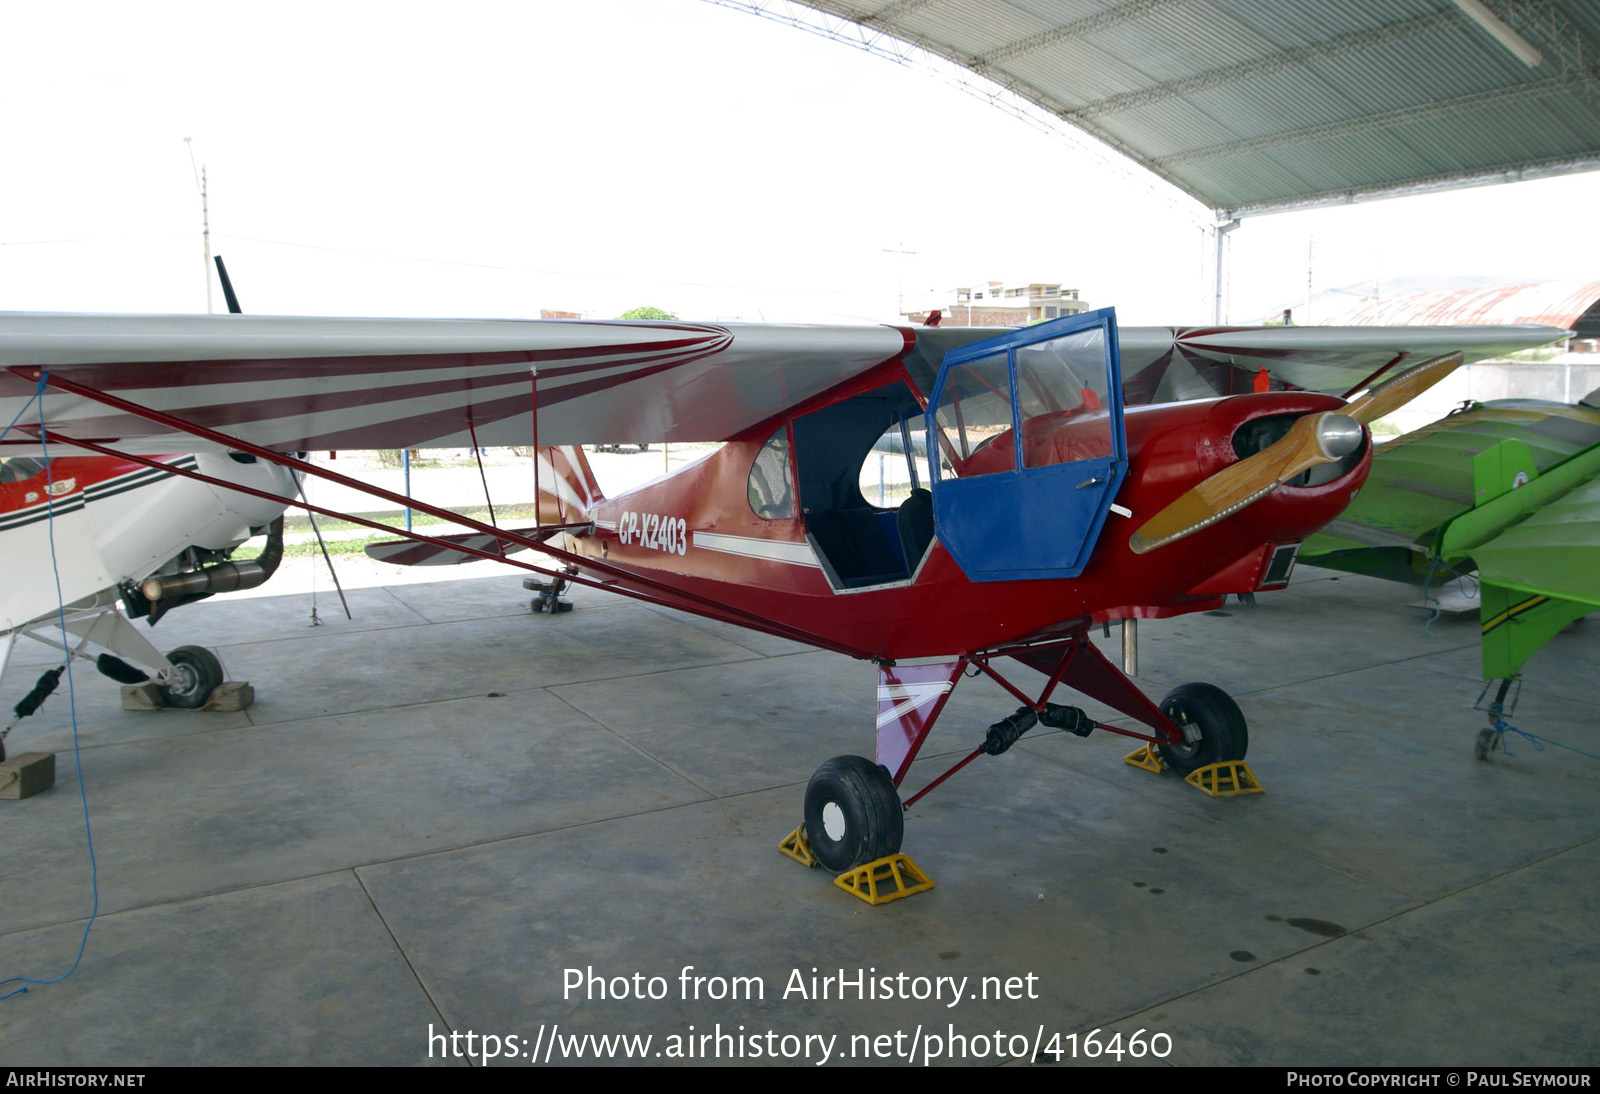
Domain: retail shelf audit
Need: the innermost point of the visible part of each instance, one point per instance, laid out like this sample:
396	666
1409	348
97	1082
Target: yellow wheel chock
795	846
1146	759
878	882
1220	780
1225	779
903	878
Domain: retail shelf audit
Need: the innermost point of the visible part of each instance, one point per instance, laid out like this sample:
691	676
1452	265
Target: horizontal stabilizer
405	552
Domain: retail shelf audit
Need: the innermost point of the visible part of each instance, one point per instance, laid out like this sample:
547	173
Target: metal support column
1219	237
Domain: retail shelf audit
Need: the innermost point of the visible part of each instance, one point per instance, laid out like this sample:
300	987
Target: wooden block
140	697
24	775
229	696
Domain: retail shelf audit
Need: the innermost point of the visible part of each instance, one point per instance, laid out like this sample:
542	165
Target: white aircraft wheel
196	672
853	813
1213	726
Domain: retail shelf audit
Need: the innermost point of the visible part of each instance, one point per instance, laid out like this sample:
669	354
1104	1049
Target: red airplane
938	501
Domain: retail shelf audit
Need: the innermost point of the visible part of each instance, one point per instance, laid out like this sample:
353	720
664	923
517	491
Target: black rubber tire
199	673
1223	735
866	802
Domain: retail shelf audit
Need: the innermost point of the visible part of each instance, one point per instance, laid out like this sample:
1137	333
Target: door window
1063	380
974	418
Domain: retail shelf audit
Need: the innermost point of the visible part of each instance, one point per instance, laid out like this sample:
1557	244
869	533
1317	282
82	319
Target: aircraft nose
1275	450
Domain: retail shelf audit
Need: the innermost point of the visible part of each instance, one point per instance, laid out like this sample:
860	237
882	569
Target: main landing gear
854	821
1212	726
194	675
184	678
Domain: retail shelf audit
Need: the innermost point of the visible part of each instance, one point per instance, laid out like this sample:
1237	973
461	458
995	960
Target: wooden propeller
1314	439
1401	388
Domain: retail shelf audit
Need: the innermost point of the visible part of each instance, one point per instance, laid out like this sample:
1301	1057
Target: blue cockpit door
1031	448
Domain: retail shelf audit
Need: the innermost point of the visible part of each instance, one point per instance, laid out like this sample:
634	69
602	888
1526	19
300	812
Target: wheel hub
833	821
182	680
1191	734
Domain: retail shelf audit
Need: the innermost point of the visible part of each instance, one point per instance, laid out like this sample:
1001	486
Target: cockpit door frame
1029	522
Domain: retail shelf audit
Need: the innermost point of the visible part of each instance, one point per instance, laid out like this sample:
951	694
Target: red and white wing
294	384
297	384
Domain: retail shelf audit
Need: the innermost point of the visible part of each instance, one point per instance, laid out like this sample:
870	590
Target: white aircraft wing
1172	364
297	383
291	383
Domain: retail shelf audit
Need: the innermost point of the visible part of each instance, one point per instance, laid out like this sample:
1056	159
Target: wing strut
647	589
533	396
321	543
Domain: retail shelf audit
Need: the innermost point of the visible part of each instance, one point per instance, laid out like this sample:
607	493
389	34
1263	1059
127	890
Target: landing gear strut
1505	701
853	811
184	678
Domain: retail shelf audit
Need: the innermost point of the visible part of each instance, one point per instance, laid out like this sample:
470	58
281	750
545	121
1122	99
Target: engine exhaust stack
224	577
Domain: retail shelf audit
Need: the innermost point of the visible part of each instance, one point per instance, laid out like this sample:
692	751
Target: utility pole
900	278
1311	251
205	219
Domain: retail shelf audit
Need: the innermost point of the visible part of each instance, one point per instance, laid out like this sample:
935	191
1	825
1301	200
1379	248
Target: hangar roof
1566	304
1255	106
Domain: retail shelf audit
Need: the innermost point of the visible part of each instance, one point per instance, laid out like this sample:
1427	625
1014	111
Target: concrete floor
435	809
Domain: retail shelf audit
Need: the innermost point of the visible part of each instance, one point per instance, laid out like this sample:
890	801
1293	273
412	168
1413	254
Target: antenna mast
205	220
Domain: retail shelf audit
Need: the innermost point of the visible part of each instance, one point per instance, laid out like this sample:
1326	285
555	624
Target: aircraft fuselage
698	530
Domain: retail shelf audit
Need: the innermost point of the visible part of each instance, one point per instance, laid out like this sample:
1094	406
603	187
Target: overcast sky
493	159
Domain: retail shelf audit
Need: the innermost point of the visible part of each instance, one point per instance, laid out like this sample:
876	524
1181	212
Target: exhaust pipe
224	577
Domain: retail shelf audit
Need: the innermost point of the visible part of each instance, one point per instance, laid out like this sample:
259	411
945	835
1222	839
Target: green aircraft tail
1517	617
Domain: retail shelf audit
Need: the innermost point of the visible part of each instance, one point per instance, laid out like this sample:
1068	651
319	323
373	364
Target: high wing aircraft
121	534
1043	500
1508	490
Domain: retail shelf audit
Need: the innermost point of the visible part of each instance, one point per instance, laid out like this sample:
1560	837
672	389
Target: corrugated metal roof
1548	304
1253	106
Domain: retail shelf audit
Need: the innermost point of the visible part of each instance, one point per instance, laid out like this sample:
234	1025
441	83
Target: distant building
1002	304
550	313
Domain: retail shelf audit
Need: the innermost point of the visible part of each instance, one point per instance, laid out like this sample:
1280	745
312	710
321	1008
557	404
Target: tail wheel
194	675
1486	744
1212	724
853	813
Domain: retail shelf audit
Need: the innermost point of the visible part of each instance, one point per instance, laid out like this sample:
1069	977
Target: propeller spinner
1313	440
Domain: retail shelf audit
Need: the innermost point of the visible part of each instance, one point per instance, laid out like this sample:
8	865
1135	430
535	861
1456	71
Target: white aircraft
101	536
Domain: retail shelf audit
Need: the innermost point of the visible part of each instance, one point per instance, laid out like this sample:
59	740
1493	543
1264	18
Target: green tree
647	312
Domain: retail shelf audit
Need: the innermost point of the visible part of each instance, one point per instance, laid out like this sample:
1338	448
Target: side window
771	489
897	465
19	469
